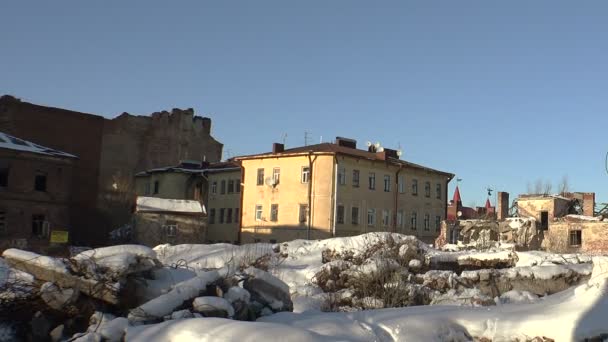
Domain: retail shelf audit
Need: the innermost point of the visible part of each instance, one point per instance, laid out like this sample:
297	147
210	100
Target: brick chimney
278	148
502	208
588	203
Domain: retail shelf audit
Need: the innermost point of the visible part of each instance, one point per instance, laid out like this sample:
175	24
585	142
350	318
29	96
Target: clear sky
500	93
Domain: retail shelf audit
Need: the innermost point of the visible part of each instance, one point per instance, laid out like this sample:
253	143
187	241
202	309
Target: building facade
111	152
217	186
35	192
335	189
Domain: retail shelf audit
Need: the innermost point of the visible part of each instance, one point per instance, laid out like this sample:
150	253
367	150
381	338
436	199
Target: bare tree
547	188
564	185
538	187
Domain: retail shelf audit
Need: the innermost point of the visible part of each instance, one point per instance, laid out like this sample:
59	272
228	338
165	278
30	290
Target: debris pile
97	294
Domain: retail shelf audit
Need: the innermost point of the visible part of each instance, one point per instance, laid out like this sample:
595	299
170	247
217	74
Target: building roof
488	204
10	142
343	150
154	204
532	197
200	169
456	199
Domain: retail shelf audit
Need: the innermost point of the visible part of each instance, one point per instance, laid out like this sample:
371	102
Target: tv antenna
284	138
306	138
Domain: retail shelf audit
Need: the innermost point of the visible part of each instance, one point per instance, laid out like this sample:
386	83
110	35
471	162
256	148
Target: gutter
242	195
335	199
397	200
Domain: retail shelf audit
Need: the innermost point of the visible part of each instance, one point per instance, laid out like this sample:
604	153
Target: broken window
4	171
40	182
576	237
544	220
39	226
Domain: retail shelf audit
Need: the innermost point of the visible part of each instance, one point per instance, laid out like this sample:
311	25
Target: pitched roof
488	204
457	198
338	149
10	142
213	167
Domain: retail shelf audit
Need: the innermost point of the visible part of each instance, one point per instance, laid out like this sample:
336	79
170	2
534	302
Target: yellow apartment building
334	189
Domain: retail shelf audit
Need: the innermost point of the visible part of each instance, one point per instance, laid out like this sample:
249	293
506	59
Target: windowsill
575	246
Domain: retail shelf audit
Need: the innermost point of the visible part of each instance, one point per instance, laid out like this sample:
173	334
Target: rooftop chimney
346	142
278	148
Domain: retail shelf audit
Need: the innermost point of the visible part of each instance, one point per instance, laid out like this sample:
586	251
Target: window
4	170
303	213
427	222
211	216
401	184
387	183
198	191
156	187
576	237
2	223
372	181
305	174
371	217
223	186
427	189
415	187
400	219
258	212
355	178
438	191
413	221
274	212
214	187
39	226
237	215
437	223
276	175
222	212
260	177
40	182
170	230
354	216
230	186
340	215
385	217
341	175
229	215
237	182
544	220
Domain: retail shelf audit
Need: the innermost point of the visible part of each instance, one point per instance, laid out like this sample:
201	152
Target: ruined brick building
110	152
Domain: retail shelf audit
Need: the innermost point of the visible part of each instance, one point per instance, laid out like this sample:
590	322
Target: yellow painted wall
289	193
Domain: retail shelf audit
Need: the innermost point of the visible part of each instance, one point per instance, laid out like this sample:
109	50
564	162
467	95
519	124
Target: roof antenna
284	137
321	140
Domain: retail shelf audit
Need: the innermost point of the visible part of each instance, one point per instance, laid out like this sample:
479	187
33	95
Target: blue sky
500	93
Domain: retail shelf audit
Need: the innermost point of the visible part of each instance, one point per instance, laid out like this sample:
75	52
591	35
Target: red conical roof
456	198
488	204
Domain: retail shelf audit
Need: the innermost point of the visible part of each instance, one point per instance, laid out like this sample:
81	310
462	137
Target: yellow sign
59	236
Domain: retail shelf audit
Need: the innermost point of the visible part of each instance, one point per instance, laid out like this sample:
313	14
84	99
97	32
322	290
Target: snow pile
115	262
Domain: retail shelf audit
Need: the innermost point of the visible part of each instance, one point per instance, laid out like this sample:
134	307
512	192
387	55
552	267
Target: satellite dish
377	145
270	181
369	143
459	213
399	153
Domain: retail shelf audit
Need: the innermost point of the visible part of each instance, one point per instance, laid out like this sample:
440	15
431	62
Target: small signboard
59	236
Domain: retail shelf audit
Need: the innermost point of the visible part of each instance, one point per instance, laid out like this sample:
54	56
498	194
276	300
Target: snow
165	304
533	258
39	260
583	218
116	260
236	293
206	303
200	257
154	204
12	143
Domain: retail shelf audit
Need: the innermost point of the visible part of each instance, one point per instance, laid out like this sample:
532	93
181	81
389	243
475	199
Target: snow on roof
154	204
13	143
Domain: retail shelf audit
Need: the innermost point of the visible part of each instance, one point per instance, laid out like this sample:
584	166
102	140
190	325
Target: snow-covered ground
576	313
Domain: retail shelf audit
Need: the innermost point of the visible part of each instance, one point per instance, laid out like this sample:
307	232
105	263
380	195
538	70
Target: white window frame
214	187
274	212
276	175
427	222
170	229
371	217
259	212
305	175
414	221
386	216
387	183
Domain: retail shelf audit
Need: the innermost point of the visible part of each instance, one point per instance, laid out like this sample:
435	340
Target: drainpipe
239	237
335	195
397	200
309	195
